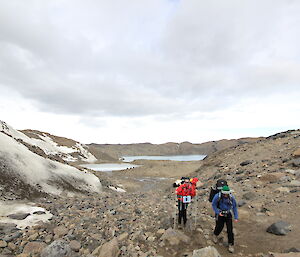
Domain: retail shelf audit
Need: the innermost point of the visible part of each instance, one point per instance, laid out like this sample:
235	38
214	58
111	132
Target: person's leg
229	227
184	213
179	211
219	225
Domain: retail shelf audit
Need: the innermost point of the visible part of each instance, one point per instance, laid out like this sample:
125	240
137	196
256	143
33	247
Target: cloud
163	59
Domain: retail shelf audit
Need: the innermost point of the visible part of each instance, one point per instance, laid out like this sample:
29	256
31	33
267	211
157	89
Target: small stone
39	212
249	196
123	237
75	245
206	252
245	163
12	246
60	231
3	244
34	247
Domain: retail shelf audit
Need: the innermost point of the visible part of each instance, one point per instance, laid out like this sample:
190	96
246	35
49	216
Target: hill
185	148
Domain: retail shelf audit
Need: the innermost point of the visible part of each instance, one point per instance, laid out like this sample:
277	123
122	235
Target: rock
8	227
295	183
206	252
161	231
58	248
296	162
297	153
3	244
249	196
174	237
34	247
241	203
293	250
279	228
109	249
284	255
18	216
245	163
282	190
39	212
75	245
9	238
12	246
123	237
60	231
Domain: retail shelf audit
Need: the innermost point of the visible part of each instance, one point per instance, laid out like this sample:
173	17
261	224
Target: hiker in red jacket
184	192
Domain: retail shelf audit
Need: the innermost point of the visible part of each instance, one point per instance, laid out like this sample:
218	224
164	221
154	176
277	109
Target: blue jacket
225	204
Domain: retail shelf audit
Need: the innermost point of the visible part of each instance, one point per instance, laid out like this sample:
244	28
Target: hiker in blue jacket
223	205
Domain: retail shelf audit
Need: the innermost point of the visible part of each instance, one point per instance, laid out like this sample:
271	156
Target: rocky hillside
184	148
25	174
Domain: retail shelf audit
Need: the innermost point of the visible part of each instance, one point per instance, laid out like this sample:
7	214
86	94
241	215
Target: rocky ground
140	222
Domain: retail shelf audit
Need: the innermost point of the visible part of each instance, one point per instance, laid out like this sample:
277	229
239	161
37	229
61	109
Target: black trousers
182	212
220	221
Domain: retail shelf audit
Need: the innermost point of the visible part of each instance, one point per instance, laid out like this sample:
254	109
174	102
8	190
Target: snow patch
12	208
117	189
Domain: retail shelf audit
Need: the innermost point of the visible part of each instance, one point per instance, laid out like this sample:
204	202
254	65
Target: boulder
58	248
209	251
109	249
296	162
34	248
245	163
280	228
18	216
174	237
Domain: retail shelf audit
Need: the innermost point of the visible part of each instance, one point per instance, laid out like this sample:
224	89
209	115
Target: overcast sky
124	71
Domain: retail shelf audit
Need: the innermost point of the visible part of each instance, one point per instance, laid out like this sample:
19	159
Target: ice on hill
41	173
50	147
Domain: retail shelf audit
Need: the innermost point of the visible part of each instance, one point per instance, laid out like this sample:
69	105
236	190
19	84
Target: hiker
223	205
184	192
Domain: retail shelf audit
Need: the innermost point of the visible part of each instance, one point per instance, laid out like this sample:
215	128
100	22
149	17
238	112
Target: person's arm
179	190
215	203
234	208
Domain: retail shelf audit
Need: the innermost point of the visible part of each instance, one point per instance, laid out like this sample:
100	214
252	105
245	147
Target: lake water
181	158
108	167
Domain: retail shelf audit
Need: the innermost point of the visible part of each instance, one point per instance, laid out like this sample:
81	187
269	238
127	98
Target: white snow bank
117	189
37	171
31	220
50	147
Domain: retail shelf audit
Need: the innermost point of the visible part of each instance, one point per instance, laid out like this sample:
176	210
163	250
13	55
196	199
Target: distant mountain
184	148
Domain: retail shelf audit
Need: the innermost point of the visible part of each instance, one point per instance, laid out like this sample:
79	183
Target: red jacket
185	190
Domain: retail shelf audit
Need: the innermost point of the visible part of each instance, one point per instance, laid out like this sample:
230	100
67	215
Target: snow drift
20	168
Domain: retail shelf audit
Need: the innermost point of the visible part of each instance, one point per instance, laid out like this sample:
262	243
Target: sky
130	71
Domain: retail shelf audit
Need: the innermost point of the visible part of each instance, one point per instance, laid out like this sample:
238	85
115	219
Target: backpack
216	189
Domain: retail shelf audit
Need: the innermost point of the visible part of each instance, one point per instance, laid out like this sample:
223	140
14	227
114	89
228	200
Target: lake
180	158
108	167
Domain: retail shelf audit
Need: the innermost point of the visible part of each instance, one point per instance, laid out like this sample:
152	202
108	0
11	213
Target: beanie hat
225	190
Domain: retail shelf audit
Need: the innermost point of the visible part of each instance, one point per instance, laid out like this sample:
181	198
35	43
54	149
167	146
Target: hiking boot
215	239
231	248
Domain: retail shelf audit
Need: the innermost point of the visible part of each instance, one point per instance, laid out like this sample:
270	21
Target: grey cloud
139	58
